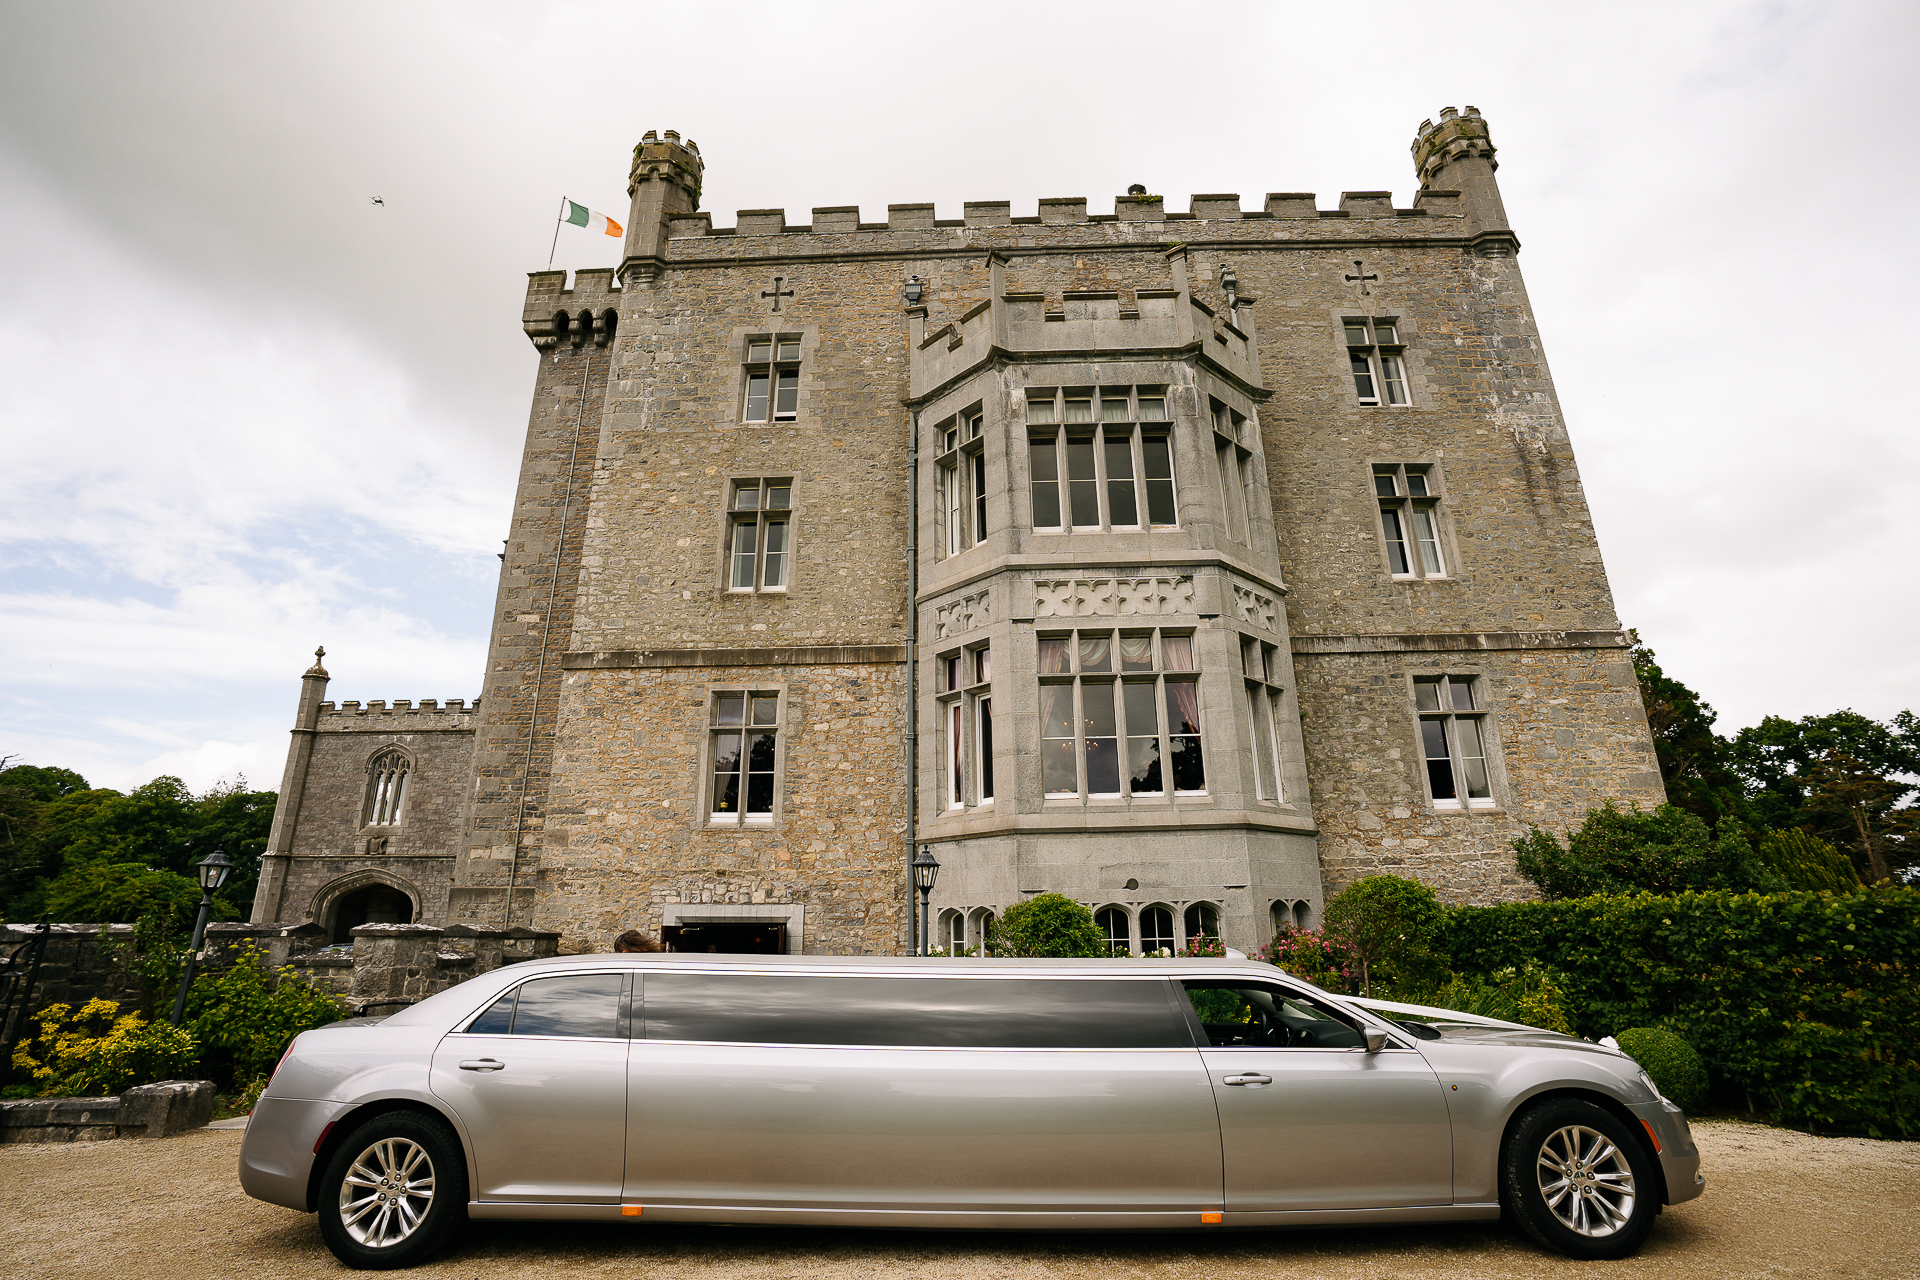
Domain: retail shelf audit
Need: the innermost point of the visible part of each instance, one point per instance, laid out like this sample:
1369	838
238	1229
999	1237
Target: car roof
926	966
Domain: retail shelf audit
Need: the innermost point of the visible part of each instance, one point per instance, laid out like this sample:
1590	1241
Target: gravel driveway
1777	1204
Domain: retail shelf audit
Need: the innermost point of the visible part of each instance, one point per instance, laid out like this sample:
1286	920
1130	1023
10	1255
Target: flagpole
556	232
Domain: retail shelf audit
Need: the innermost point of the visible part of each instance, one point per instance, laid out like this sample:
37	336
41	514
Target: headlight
1652	1088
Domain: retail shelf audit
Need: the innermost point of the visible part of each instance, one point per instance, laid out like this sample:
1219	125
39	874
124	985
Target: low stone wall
145	1111
82	961
387	965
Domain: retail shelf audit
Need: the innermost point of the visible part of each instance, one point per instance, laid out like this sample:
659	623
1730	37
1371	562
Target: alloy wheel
1586	1181
387	1192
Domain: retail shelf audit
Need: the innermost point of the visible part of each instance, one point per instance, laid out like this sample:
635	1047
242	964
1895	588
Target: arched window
1203	921
982	929
387	787
1281	913
1302	914
1113	922
956	932
1156	930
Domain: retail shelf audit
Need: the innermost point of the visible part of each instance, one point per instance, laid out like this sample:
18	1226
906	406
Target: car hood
1473	1029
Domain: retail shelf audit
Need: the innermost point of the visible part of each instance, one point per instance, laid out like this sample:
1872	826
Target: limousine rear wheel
393	1191
1578	1181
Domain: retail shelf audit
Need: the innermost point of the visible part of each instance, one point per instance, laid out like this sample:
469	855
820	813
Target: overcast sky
245	411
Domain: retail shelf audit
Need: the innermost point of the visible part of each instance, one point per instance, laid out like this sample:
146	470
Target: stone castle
1192	565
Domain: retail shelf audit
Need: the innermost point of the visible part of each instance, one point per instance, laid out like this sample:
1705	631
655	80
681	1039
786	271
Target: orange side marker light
1209	1219
1651	1136
630	1210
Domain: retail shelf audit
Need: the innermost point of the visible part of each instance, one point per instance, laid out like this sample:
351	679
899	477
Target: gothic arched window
387	787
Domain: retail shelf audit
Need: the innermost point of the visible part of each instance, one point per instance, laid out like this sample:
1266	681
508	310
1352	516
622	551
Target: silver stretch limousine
950	1093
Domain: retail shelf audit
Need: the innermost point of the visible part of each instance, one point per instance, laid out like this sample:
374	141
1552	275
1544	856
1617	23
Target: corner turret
665	180
1456	155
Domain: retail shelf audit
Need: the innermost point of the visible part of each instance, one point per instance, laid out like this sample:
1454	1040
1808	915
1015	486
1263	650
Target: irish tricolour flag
581	216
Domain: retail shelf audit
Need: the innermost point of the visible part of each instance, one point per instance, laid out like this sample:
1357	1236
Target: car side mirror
1376	1041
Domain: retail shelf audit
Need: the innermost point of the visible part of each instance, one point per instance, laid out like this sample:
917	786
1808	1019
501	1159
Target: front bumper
1679	1157
276	1157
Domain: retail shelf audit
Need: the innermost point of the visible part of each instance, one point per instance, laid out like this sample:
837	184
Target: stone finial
316	669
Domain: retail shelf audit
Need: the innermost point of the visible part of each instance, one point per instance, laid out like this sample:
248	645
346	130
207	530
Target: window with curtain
1119	715
965	700
1410	516
1264	668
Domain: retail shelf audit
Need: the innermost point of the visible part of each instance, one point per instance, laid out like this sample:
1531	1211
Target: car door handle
482	1064
1251	1077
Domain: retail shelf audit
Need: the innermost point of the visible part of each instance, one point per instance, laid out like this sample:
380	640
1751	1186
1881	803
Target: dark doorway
375	904
730	939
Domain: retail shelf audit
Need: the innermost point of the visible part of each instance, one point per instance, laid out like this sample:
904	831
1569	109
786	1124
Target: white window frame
964	699
783	357
716	732
1260	667
1417	499
1376	354
760	517
960	481
1074	683
1447	715
1135	415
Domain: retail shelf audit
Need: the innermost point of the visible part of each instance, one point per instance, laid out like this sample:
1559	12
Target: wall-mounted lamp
914	291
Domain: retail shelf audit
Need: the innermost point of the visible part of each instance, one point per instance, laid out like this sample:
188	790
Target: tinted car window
582	1004
934	1013
498	1019
1254	1015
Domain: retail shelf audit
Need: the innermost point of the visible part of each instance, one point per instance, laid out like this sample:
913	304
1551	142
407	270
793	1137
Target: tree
1805	861
124	892
1663	850
1048	925
53	826
1844	777
1693	758
1389	922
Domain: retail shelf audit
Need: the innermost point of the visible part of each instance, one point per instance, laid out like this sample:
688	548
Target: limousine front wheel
393	1191
1577	1180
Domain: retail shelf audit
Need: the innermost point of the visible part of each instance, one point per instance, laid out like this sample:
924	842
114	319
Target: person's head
635	940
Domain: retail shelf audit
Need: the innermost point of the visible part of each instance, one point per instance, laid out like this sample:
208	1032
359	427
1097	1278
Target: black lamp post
925	872
214	870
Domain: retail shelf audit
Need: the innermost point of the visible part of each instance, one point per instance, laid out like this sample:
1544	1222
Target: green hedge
1807	1001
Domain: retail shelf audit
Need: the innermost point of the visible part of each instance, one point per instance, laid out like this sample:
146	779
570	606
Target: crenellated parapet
1100	324
1456	137
1458	155
666	158
1054	211
400	716
555	314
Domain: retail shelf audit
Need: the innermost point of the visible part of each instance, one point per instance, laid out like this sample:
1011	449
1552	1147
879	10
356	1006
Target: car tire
394	1191
1578	1180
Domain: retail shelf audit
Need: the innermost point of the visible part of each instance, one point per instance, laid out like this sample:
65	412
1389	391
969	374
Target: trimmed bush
1048	925
1805	1000
1313	954
1671	1061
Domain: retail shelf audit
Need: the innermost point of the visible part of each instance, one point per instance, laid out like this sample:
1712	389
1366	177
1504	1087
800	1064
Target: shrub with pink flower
1324	959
